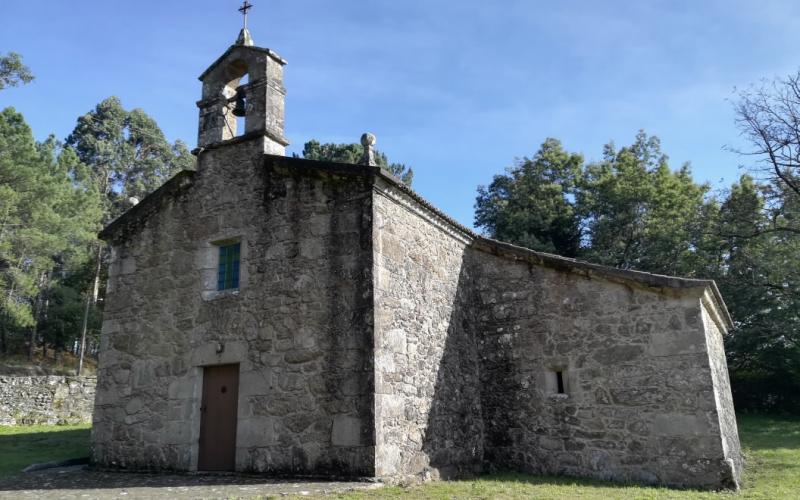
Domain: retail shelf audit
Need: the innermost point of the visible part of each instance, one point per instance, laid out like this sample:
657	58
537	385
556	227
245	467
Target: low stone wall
46	400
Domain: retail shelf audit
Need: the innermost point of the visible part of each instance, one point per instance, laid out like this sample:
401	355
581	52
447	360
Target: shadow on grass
23	446
579	482
764	432
91	479
518	477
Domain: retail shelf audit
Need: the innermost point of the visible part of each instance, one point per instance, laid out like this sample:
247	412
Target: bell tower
245	82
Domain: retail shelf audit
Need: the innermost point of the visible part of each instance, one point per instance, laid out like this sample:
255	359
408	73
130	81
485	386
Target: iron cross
243	9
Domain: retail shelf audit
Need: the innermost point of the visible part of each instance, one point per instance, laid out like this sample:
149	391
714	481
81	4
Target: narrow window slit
560	381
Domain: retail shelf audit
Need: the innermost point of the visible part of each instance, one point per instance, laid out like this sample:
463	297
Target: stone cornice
255	134
673	285
717	310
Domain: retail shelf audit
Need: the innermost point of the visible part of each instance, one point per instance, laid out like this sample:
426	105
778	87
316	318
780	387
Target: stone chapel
299	318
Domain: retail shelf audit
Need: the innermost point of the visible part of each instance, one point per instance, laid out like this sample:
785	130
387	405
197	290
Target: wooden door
218	418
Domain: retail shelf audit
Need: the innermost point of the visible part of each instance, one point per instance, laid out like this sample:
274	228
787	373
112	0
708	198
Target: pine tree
13	71
48	214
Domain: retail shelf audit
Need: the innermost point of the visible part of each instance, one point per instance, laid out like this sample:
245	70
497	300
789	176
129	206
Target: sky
455	89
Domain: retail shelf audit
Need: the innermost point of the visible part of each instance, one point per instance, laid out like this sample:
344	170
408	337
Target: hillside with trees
54	198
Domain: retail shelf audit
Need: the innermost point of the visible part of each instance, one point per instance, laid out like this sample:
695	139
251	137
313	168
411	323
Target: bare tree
768	115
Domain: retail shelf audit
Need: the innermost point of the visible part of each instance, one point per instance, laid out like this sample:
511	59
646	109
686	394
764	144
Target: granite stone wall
299	326
47	400
639	402
376	337
427	405
470	336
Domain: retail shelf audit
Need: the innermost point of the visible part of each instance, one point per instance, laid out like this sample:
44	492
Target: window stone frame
208	265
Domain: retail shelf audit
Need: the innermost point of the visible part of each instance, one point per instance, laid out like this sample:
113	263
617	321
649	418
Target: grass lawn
26	445
772	449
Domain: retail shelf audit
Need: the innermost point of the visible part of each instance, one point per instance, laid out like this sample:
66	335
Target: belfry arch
248	80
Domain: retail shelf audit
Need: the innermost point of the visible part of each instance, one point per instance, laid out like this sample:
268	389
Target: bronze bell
240	109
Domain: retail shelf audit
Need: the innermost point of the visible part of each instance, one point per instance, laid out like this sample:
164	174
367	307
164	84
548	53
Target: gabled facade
369	335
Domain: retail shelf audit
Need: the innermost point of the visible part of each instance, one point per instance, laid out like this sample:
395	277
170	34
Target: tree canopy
54	198
352	153
13	71
631	210
126	152
49	211
637	213
533	203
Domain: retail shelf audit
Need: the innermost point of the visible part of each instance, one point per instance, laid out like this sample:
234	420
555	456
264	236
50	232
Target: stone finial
245	38
368	141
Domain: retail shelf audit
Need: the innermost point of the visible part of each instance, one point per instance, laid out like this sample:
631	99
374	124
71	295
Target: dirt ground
81	483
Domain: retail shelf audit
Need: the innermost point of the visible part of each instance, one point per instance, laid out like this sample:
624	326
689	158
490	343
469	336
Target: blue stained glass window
228	271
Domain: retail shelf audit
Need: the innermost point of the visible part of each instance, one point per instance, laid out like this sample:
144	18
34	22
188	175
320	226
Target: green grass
772	450
26	445
771	444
